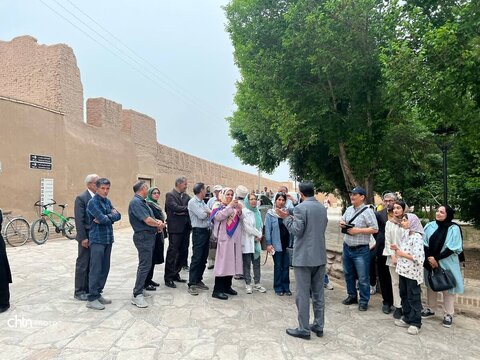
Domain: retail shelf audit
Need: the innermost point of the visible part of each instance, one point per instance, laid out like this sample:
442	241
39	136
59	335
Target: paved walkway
45	322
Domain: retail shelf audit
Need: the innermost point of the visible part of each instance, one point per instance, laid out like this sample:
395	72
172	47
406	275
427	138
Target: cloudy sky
171	60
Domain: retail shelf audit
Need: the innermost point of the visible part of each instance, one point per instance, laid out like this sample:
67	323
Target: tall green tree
311	85
430	65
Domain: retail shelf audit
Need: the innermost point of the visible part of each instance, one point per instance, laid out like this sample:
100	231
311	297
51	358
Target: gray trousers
144	242
309	280
247	260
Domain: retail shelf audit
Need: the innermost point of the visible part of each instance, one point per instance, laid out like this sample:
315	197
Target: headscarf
233	220
151	201
272	211
256	212
415	224
258	225
438	238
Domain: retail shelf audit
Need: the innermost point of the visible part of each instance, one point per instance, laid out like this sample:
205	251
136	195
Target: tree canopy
350	91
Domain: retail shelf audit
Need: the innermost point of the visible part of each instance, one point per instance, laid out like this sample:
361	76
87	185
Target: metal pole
445	169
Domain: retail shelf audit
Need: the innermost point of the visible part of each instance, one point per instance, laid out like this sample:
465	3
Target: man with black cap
358	223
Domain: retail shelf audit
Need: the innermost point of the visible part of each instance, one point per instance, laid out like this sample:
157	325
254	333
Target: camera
347	226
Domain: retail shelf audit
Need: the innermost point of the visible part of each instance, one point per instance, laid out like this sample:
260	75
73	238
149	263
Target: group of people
229	223
228	229
403	254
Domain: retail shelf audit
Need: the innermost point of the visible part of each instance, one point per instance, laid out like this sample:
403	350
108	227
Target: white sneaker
413	330
139	301
146	294
401	323
248	289
259	288
328	286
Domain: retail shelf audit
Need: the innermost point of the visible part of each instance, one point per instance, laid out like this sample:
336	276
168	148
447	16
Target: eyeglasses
156	193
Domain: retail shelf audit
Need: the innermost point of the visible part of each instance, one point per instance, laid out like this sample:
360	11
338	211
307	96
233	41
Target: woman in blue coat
443	244
277	238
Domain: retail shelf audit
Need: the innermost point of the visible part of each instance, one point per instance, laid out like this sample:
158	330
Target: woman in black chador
5	274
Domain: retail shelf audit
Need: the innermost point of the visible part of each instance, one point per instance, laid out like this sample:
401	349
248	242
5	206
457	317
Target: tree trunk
350	181
370	199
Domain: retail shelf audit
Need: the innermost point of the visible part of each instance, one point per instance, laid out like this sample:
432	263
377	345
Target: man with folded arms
145	227
102	215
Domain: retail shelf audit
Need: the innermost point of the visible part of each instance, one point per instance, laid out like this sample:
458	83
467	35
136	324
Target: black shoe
170	284
281	293
179	279
387	309
81	297
397	314
210	267
201	286
316	330
288	293
297	333
350	300
238	277
231	292
150	288
363	307
219	295
153	283
4	308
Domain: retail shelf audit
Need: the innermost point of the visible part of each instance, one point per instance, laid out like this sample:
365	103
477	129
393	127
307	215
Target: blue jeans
281	268
356	263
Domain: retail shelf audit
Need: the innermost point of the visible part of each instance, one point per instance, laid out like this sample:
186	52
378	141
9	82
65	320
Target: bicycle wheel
39	231
69	229
17	232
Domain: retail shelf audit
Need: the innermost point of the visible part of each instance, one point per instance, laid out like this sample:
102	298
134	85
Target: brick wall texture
49	76
42	75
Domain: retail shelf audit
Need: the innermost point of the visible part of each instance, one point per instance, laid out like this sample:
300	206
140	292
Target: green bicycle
64	225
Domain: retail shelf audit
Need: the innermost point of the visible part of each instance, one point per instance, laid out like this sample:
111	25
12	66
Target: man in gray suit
83	226
308	224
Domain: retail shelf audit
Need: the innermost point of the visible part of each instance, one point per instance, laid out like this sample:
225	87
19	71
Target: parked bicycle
17	230
65	225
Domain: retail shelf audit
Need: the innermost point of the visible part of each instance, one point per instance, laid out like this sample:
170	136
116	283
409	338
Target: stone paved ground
46	323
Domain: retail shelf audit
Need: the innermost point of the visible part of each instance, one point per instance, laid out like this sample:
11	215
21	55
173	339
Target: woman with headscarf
227	215
443	244
5	274
277	239
393	235
251	248
410	256
152	201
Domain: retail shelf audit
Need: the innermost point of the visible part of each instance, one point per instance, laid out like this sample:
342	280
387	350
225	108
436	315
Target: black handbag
440	279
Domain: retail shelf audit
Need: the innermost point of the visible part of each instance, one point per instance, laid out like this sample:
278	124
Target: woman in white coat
251	234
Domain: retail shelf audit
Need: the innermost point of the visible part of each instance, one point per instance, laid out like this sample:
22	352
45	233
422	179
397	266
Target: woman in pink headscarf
226	216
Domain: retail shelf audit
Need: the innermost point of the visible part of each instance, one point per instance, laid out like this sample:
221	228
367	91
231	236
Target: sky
171	60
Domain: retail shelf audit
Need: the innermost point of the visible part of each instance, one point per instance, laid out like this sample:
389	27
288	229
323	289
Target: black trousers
222	283
82	267
4	294
200	247
373	268
183	255
410	293
175	254
385	280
